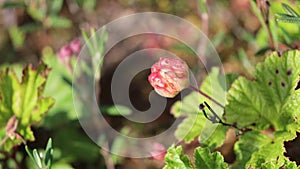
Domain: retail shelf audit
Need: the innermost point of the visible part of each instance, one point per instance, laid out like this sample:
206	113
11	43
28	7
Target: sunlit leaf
24	99
290	10
205	159
9	4
116	110
176	159
274	85
57	22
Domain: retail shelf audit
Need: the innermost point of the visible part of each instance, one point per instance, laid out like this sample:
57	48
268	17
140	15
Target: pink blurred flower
169	76
75	46
64	54
158	151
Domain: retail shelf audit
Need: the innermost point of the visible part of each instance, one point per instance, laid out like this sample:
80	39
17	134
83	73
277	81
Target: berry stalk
205	95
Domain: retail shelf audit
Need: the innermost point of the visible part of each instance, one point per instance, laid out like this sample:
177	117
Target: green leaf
209	135
117	110
230	78
271	152
36	13
255	149
89	5
213	139
55	6
262	51
43	161
61	165
268	165
204	159
274	85
290	10
48	154
57	87
258	14
282	136
195	124
207	160
8	85
28	103
77	149
287	18
7	4
219	38
247	144
117	146
291	165
291	108
203	6
30	27
17	36
54	21
188	106
24	99
288	37
244	107
183	48
190	128
245	61
176	159
37	158
275	164
31	155
100	48
96	46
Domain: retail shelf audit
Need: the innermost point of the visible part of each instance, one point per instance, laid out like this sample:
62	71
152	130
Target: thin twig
265	10
207	96
271	40
202	12
108	161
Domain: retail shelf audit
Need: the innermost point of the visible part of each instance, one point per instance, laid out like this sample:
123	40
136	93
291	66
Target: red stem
207	96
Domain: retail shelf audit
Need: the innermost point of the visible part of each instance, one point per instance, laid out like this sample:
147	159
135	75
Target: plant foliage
24	101
209	134
176	159
268	103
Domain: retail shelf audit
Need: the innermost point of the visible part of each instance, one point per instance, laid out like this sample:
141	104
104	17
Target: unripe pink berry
75	46
169	76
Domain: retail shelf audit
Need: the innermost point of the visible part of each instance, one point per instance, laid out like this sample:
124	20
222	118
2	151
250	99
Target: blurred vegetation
242	31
